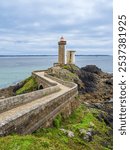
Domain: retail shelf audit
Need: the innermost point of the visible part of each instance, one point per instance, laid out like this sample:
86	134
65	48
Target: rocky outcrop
67	73
7	92
94	85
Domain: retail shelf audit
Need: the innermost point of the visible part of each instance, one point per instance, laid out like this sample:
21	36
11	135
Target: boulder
68	133
86	135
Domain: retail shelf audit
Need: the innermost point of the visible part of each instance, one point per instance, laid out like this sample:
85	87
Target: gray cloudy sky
35	26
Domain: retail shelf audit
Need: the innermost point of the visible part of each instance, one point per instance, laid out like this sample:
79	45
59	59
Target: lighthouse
70	57
61	51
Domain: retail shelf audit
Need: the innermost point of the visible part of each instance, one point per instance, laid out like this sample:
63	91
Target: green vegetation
66	75
70	77
55	139
29	85
57	121
71	68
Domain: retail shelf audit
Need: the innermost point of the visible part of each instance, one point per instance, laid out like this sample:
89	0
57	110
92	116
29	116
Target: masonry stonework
70	57
25	117
61	52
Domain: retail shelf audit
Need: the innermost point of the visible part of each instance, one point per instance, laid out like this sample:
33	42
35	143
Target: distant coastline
44	55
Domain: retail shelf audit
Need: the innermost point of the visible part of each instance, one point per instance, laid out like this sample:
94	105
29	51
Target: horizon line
56	55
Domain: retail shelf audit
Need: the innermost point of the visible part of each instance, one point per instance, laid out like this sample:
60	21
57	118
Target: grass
28	142
29	85
73	68
57	121
55	139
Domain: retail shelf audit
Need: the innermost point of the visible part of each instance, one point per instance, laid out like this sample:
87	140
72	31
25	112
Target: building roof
62	39
71	51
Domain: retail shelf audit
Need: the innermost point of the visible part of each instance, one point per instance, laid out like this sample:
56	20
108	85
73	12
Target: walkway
13	118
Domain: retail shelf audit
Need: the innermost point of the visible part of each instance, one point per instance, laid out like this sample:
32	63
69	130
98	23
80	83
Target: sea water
16	68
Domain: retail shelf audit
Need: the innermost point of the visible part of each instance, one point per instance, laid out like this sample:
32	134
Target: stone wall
66	83
40	115
41	81
11	102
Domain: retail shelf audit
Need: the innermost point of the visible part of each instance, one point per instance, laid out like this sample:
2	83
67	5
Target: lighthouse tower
61	51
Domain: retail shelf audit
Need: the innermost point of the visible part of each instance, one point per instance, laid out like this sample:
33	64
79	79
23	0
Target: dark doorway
40	87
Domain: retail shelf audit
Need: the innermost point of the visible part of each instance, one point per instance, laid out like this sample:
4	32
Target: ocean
16	68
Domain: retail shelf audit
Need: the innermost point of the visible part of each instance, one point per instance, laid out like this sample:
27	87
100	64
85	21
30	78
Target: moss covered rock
29	85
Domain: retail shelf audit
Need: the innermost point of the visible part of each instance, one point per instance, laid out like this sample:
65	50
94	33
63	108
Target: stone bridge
25	113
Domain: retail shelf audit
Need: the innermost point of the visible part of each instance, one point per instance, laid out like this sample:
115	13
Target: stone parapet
36	109
65	83
12	102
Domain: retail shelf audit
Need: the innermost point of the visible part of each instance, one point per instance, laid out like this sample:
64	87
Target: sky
34	27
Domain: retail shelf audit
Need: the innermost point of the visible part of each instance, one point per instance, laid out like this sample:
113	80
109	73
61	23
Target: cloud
30	26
